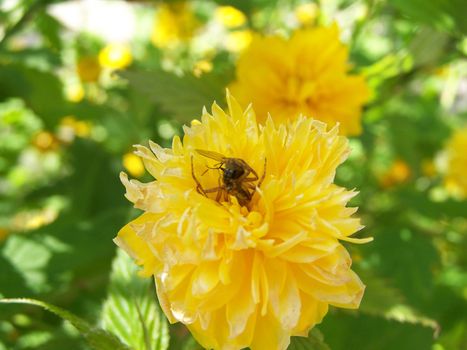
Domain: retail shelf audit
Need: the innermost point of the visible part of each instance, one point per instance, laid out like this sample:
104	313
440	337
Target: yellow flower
88	69
3	233
174	23
133	164
398	173
456	166
201	67
306	13
70	127
238	40
45	141
230	17
429	168
307	74
251	275
74	92
115	56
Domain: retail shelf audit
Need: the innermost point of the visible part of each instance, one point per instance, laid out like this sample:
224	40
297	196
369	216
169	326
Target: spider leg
249	186
249	179
199	188
264	173
218	166
212	190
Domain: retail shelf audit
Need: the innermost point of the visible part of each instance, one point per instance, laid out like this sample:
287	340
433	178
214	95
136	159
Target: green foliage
131	310
445	15
97	338
180	96
61	202
315	341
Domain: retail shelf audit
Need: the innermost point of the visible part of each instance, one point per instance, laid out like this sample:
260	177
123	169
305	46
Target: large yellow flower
456	167
307	74
256	274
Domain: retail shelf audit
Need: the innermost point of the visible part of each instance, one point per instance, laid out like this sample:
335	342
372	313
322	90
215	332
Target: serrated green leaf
181	96
97	338
131	309
314	341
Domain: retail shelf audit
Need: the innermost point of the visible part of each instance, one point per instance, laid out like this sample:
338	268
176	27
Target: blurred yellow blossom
238	40
45	141
3	233
398	173
248	275
115	56
88	69
306	13
174	22
70	127
456	166
201	67
133	164
74	93
428	168
307	74
230	17
33	219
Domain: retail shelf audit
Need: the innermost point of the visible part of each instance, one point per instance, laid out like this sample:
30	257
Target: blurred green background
82	81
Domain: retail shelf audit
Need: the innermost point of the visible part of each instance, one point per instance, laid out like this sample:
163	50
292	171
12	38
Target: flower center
299	91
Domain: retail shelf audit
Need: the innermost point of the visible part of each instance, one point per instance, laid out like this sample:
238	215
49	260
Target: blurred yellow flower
252	275
3	233
307	74
174	23
306	13
456	167
238	40
398	173
88	69
70	127
115	56
45	141
428	168
201	67
230	17
74	93
133	164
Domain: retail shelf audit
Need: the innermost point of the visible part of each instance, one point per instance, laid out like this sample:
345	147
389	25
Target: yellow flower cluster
229	16
175	22
455	177
250	275
398	173
307	74
115	56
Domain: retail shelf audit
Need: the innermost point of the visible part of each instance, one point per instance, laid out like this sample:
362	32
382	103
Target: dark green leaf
97	338
315	341
184	96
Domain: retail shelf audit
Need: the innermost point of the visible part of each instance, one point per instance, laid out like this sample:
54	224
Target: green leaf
131	310
42	91
97	338
184	96
315	341
441	14
345	330
382	299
